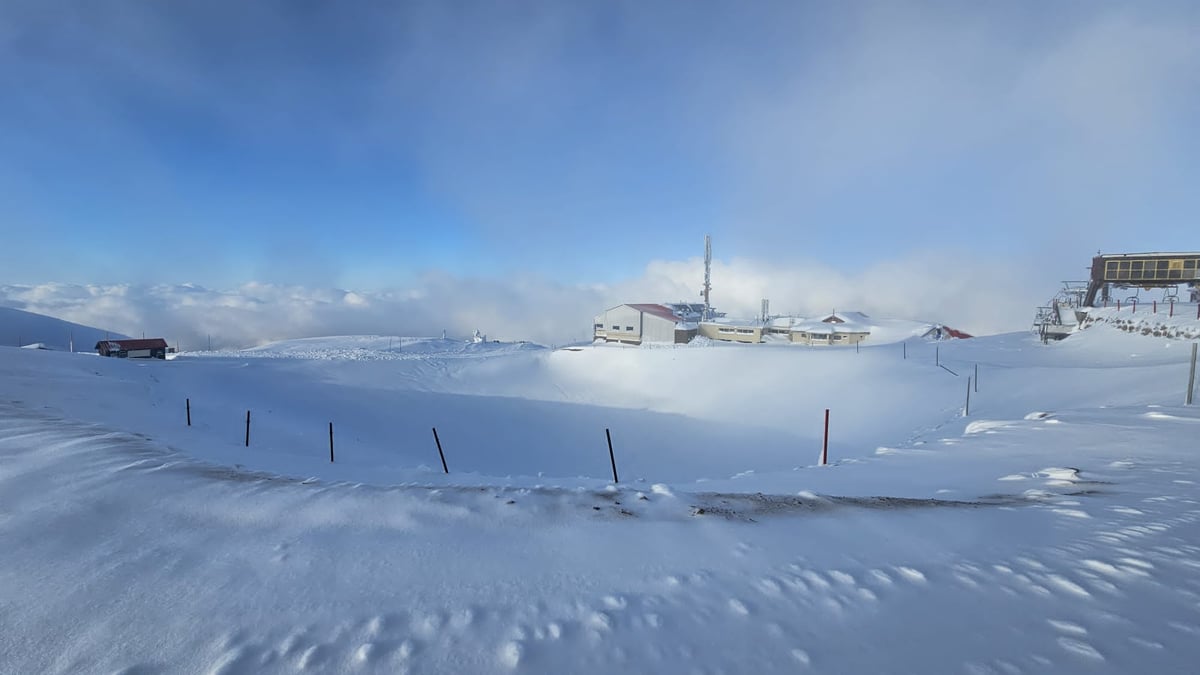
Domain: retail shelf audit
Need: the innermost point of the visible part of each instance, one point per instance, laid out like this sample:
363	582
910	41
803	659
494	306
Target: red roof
131	345
956	333
660	311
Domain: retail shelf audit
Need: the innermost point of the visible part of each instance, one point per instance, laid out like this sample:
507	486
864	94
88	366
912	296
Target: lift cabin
1142	270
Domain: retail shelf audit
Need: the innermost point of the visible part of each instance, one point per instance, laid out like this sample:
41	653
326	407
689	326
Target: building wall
824	339
657	329
623	324
731	333
626	324
620	323
684	336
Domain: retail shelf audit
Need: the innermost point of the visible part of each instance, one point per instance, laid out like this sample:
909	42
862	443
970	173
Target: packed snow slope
1054	528
27	328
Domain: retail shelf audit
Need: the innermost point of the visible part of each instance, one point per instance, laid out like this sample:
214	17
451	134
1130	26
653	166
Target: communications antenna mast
707	276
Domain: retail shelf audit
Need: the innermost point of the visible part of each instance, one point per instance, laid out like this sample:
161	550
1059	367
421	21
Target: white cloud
977	296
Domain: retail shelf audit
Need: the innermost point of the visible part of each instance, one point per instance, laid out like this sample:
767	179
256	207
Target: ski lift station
1116	280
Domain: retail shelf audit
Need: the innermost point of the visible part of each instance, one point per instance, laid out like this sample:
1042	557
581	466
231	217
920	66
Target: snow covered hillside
1056	528
26	328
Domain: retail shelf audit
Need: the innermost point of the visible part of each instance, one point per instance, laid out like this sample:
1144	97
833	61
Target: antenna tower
707	276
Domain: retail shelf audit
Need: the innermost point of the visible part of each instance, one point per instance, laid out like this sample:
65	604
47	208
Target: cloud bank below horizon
976	296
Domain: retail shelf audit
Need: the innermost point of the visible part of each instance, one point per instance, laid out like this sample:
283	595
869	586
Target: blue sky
363	145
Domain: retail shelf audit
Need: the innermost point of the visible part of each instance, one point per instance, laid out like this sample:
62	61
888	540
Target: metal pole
189	411
825	445
937	354
611	457
967	409
247	428
331	442
1192	375
976	378
440	453
905	344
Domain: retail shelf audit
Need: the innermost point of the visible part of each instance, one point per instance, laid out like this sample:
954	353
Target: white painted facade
631	324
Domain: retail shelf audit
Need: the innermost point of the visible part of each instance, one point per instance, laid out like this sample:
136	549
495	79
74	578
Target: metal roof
130	345
660	311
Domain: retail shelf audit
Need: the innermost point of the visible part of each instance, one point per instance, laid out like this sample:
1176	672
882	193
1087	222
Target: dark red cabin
151	348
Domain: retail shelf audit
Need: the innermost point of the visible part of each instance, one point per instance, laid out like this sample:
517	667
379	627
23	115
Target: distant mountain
26	328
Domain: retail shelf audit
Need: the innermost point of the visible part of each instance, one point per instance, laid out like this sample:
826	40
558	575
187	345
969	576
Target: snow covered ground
1054	529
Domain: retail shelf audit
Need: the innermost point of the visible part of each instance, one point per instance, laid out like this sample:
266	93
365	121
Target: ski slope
1056	528
21	328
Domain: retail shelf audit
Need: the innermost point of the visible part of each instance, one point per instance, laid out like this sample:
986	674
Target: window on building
838	338
599	325
629	328
616	328
726	330
745	331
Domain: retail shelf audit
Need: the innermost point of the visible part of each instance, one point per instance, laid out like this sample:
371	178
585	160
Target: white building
640	323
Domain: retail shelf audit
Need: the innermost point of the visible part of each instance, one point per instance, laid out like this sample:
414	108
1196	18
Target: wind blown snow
1054	529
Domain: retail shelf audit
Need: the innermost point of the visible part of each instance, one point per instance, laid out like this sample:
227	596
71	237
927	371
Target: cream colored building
732	330
844	328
